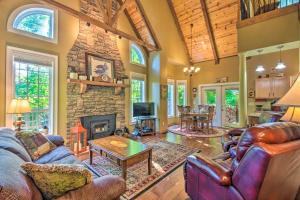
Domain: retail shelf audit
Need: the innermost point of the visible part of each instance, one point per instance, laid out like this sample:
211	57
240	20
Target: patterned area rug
166	157
212	132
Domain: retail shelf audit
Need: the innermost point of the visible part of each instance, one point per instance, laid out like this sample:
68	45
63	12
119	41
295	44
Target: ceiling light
185	69
197	69
260	68
280	65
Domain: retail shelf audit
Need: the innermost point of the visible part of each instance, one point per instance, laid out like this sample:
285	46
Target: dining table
195	115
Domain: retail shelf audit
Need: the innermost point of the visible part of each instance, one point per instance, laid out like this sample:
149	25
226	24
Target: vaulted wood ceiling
140	22
214	32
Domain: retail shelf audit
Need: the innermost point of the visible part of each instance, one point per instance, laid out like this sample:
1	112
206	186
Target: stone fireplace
99	126
97	100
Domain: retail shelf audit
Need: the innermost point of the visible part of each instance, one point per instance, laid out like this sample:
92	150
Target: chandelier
192	69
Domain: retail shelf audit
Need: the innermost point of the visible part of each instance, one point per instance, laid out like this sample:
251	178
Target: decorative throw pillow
54	180
35	143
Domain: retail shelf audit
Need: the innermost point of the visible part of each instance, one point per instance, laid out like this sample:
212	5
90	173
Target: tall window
34	21
181	92
136	55
138	93
171	99
31	76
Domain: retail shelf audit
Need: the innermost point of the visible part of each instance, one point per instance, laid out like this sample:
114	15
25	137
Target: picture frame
101	69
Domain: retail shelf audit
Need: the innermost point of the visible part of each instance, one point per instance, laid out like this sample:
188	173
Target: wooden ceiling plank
210	31
173	12
148	24
109	11
134	27
97	23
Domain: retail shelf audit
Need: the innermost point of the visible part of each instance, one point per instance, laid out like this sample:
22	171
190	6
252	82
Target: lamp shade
292	115
19	106
292	97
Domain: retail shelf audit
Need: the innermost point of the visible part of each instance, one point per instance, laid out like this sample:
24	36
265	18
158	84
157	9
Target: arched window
36	21
136	55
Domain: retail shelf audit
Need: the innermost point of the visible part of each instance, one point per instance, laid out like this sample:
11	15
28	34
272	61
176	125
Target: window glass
136	55
181	94
171	99
33	82
137	92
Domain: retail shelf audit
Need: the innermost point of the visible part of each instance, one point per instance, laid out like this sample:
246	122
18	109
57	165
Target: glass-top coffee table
126	151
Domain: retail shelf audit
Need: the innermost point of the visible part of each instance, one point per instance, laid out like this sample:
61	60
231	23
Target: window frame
134	45
137	76
11	52
172	82
181	82
18	11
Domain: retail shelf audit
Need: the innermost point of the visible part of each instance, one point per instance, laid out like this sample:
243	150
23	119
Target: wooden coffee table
127	152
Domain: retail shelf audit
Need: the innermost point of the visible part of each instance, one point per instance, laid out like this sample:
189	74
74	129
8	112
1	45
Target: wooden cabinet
271	88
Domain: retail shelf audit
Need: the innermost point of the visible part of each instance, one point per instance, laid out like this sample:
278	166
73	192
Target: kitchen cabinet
271	88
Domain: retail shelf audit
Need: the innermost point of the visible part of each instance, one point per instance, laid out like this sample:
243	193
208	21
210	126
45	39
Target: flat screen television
143	109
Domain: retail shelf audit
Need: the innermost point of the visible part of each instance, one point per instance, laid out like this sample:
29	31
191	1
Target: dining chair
202	119
209	119
183	117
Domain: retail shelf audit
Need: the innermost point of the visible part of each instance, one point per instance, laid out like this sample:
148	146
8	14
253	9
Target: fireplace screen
99	126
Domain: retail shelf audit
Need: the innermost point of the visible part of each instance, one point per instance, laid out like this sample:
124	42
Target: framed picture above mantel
99	68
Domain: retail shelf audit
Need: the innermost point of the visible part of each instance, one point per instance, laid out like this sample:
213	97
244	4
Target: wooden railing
252	8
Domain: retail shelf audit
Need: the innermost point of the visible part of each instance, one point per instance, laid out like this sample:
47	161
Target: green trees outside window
181	90
211	96
136	55
38	21
32	82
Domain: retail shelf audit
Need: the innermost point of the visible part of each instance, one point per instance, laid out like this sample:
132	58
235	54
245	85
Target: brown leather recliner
235	134
266	166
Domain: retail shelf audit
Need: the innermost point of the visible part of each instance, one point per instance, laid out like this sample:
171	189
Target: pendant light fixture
260	68
191	70
280	65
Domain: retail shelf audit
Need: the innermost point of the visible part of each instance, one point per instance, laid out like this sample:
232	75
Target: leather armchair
266	166
235	134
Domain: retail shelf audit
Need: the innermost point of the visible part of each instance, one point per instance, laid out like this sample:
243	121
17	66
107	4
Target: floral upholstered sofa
15	184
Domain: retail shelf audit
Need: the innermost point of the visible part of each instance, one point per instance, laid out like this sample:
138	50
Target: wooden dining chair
183	117
208	120
202	119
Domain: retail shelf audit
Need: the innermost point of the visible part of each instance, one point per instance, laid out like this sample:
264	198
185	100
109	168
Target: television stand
145	126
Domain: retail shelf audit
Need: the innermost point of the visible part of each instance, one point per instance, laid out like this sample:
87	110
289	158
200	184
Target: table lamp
18	107
291	99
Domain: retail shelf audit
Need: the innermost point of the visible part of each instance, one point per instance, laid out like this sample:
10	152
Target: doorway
225	98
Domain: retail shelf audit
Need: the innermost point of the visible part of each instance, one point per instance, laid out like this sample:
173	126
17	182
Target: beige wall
172	54
269	61
275	31
68	29
124	45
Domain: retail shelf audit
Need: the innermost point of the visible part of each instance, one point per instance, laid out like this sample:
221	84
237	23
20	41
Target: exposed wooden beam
210	31
173	12
148	24
97	23
109	11
123	6
133	27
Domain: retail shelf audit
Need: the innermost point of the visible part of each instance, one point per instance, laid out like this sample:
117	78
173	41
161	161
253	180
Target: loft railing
252	8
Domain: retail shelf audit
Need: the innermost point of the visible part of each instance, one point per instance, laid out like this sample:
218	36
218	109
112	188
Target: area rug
212	132
166	157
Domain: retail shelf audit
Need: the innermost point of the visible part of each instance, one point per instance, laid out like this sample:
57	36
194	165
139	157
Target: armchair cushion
212	169
99	189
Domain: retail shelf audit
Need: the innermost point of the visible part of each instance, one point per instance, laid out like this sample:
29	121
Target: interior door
230	105
212	96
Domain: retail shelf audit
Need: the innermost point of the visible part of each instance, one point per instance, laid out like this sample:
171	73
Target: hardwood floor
172	186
